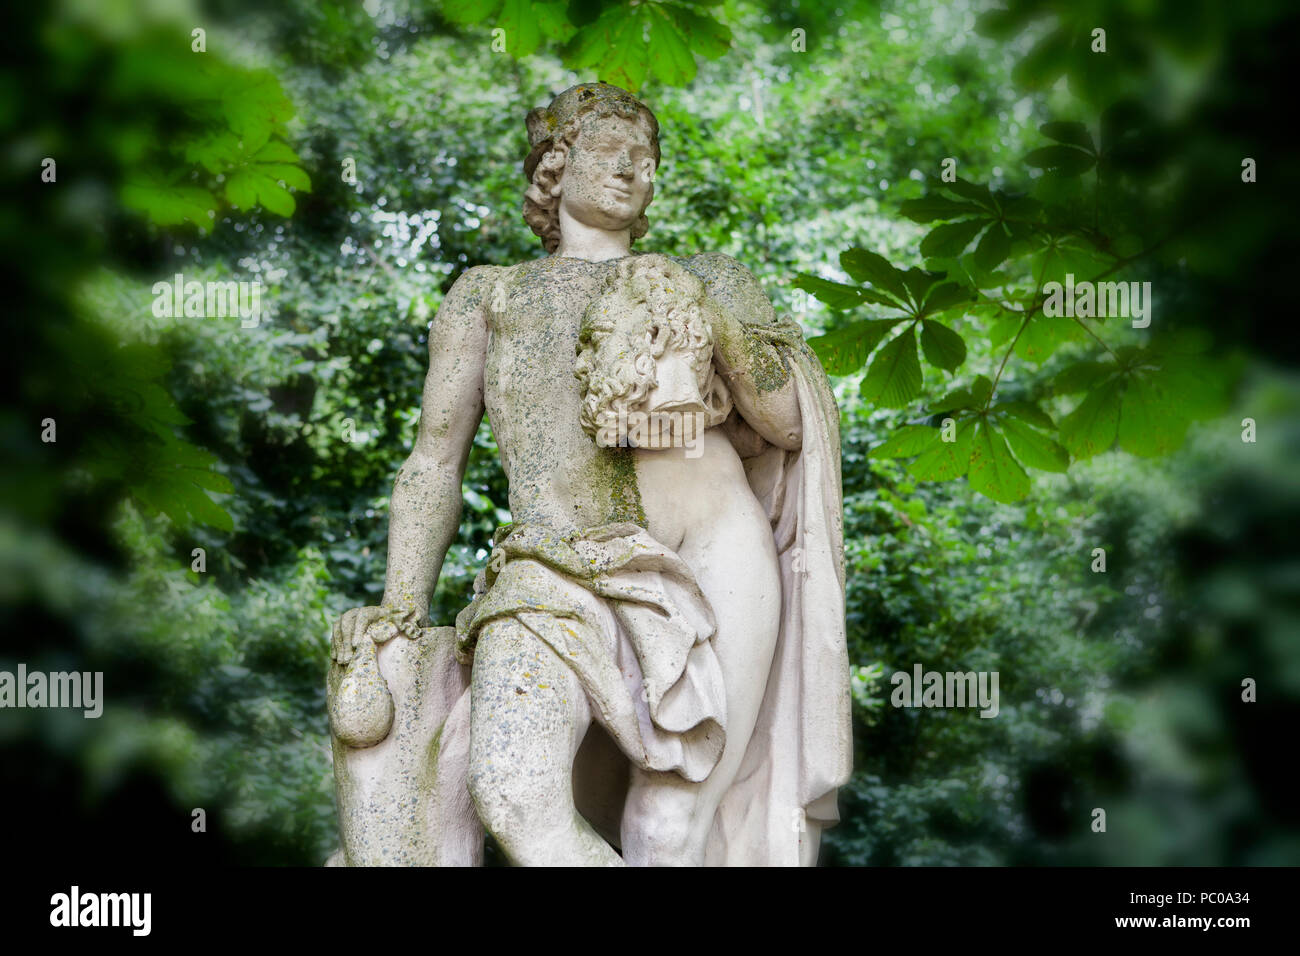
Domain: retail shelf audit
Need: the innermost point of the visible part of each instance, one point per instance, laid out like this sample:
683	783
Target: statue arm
761	386
424	513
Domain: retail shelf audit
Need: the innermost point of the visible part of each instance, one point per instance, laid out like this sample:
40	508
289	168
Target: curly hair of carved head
542	205
649	305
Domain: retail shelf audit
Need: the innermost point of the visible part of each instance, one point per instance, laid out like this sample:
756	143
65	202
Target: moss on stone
765	366
615	472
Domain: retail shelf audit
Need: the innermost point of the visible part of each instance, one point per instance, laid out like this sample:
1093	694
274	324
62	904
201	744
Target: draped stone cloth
642	651
801	751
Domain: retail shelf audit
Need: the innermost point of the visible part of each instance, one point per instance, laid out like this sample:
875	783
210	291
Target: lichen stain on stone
430	774
617	473
766	368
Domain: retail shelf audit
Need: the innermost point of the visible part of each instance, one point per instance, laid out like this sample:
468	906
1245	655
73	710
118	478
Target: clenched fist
375	624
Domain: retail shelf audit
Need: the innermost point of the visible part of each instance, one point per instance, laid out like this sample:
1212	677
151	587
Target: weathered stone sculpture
658	671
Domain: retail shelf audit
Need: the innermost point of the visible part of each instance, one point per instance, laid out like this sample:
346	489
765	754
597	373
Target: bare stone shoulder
462	318
473	288
733	286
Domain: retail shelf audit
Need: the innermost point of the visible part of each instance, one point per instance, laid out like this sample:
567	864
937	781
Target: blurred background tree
792	133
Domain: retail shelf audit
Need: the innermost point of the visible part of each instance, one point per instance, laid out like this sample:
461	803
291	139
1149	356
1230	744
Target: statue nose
676	387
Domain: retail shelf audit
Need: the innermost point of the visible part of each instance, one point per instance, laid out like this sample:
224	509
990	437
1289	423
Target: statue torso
558	475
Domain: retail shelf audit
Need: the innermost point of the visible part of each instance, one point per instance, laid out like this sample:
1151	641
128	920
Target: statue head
645	358
594	150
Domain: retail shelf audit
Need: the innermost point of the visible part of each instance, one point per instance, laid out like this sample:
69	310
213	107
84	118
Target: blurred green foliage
815	160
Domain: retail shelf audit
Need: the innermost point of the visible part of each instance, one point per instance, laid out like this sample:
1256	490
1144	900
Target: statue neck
580	241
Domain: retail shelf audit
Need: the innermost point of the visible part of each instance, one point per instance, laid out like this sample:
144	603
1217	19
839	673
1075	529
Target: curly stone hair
542	210
657	305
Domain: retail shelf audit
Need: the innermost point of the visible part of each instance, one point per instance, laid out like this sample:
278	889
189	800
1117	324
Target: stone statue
653	668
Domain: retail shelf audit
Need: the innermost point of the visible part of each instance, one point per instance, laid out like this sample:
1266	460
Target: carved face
655	371
607	174
645	352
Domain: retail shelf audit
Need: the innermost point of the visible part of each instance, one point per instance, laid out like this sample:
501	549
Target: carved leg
667	820
528	716
657	825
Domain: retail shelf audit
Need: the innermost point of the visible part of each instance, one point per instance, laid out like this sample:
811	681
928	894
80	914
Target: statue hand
377	624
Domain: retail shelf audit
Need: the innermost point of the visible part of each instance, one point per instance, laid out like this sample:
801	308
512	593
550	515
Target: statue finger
342	646
362	627
336	640
348	625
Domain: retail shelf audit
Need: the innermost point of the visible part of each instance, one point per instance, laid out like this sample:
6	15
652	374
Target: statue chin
668	426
